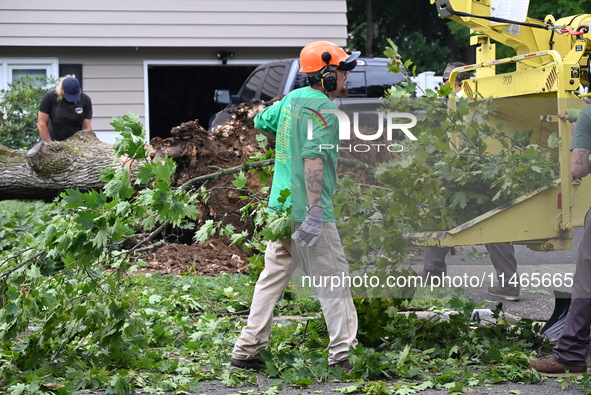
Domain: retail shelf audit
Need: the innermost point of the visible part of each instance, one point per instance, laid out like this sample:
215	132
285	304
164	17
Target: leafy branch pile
73	318
449	175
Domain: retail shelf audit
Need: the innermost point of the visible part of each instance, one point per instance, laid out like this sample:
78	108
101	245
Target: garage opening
183	93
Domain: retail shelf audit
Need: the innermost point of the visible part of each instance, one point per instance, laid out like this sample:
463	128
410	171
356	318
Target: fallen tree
49	168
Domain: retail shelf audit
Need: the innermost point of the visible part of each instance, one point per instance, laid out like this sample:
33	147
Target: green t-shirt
290	120
582	135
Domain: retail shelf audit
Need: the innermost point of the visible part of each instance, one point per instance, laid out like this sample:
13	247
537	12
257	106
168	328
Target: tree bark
50	168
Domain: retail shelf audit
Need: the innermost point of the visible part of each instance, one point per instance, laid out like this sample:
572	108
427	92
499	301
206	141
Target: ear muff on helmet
328	78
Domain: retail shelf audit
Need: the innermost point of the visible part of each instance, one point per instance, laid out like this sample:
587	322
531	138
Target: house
161	59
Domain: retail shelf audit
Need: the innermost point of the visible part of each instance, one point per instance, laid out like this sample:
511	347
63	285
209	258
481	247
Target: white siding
172	23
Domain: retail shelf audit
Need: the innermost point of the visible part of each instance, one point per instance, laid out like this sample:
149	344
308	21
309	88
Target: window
356	84
19	73
252	85
12	69
273	83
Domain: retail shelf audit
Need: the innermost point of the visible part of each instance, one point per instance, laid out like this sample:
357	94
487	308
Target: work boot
344	364
251	364
508	293
553	368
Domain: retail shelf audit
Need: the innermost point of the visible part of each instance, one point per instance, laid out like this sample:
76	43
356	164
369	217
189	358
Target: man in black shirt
64	111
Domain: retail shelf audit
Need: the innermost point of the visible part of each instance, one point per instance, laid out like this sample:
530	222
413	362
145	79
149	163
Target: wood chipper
551	74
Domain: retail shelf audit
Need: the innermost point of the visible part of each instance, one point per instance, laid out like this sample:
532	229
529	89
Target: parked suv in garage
366	84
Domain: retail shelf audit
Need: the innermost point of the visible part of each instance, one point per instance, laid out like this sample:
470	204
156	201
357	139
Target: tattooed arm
313	173
311	229
579	162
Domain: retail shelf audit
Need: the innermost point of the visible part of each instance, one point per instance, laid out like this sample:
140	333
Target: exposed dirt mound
207	259
197	153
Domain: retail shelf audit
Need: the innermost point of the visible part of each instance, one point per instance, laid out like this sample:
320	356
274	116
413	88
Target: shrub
19	105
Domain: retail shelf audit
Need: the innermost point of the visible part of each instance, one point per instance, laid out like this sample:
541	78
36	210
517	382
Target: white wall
427	80
172	23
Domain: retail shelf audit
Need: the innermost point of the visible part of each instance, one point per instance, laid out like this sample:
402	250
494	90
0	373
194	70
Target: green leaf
351	389
240	180
403	356
453	350
18	389
107	173
284	195
454	387
86	219
145	173
205	231
553	141
119	385
101	237
489	171
34	272
164	170
120	186
460	199
11	309
262	140
73	198
130	141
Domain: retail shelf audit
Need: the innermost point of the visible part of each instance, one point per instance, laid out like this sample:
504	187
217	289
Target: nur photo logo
394	121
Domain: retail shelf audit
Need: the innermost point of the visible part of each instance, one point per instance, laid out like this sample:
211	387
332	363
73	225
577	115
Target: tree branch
228	171
31	259
355	164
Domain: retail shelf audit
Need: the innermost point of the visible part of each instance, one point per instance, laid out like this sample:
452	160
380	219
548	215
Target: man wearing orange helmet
309	173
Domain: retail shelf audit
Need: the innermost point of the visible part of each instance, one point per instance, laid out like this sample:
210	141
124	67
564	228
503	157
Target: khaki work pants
325	258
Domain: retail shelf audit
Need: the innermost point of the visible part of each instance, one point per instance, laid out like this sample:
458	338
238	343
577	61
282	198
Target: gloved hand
571	115
311	229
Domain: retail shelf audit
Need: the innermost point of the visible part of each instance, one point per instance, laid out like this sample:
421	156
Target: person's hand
571	115
311	229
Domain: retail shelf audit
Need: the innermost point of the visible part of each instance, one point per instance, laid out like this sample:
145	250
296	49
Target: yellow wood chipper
550	74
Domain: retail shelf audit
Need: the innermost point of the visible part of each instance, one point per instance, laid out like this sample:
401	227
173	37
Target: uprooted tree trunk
50	168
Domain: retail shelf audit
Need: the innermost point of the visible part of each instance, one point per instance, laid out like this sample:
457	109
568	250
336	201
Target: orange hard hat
319	54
